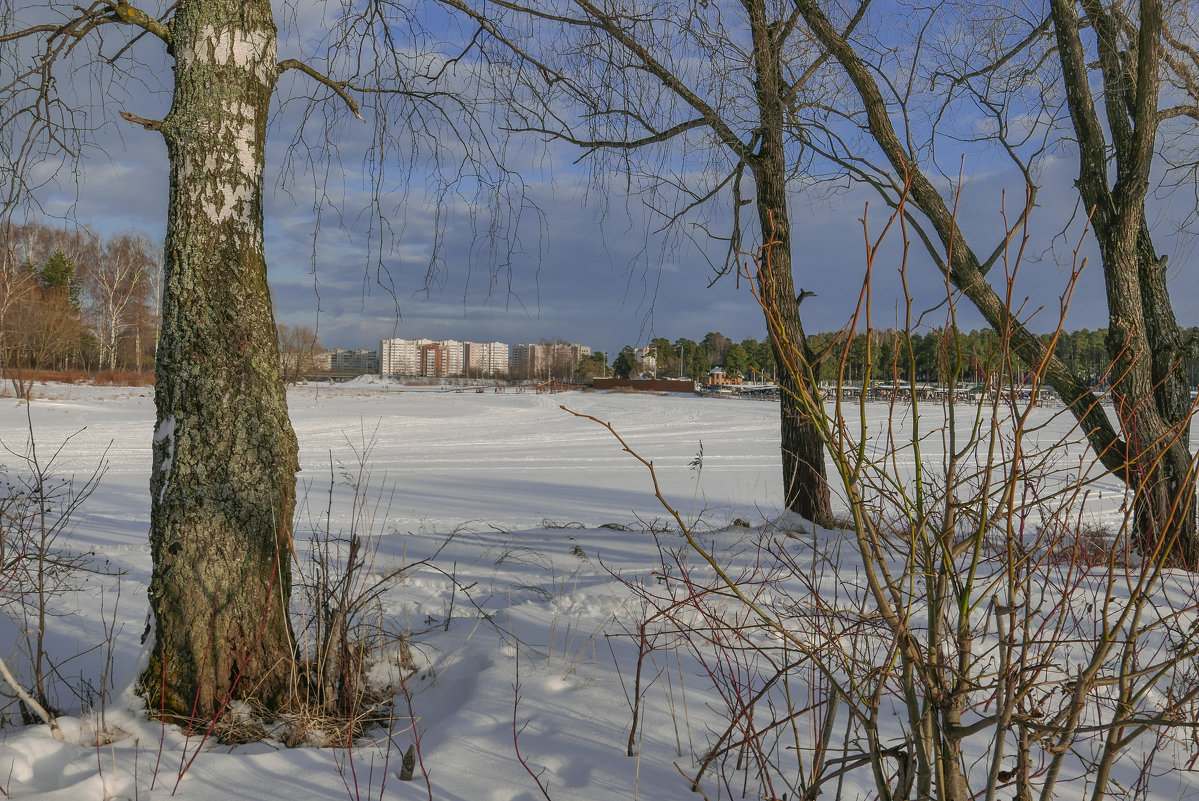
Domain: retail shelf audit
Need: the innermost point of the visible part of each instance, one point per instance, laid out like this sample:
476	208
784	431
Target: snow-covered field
522	624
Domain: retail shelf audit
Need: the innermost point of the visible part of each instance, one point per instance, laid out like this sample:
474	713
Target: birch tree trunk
225	455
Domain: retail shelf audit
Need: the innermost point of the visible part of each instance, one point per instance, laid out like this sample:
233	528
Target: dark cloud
580	265
605	282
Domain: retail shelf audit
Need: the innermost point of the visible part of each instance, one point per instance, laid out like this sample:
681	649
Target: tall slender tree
117	288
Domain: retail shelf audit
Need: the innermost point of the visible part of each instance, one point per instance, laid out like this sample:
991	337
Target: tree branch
962	266
122	11
30	701
148	124
1004	58
1191	111
340	88
653	66
621	144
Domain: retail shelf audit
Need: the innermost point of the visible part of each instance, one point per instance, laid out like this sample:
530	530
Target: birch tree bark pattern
225	455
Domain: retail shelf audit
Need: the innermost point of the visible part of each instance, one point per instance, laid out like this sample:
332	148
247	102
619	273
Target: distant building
401	356
443	358
359	361
523	362
717	377
434	360
486	359
647	360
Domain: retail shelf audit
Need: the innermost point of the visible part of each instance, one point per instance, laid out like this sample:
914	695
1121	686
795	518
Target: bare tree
113	282
41	292
688	104
225	456
298	346
117	286
1085	79
45	328
17	285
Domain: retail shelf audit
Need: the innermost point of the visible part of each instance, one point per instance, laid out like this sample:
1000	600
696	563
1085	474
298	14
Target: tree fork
1137	299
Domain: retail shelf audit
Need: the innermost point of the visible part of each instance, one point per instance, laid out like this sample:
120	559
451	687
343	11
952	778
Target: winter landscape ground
528	571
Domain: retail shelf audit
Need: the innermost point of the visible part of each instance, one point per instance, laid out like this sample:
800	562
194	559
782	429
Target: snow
545	527
164	433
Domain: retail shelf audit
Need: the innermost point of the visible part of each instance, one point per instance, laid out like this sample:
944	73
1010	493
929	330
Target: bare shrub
970	635
37	504
340	623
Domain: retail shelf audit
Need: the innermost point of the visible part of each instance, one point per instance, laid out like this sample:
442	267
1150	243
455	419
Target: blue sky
586	269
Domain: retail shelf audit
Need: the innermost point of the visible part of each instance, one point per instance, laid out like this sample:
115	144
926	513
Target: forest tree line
932	356
72	300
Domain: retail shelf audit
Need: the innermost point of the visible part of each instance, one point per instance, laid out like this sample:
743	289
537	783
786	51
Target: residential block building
486	359
647	360
442	358
358	361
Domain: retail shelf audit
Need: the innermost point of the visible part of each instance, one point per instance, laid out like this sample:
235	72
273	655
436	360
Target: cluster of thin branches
973	632
37	507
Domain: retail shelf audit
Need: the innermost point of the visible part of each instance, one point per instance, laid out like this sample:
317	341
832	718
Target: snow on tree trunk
225	454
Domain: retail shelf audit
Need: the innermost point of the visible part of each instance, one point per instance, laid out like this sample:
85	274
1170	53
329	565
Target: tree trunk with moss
225	456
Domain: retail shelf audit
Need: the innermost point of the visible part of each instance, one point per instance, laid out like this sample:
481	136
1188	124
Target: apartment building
358	361
647	360
401	356
486	359
442	358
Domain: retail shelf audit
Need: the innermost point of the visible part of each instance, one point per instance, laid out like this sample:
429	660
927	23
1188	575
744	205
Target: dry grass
104	378
124	378
322	723
1089	545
